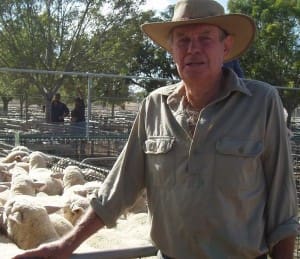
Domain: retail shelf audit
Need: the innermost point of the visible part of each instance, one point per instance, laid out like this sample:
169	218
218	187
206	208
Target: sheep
24	185
92	187
16	155
21	184
23	164
39	172
61	225
6	170
21	148
51	185
28	224
38	160
72	176
74	209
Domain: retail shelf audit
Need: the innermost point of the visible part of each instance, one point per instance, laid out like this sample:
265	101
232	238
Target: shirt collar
231	83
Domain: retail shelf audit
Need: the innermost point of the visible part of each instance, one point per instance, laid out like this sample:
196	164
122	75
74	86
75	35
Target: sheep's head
38	160
14	156
23	184
72	176
75	209
28	223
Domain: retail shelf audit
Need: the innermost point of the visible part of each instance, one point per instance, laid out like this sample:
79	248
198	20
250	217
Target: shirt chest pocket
160	158
238	164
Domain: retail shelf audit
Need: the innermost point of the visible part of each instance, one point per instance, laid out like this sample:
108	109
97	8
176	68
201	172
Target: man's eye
183	41
205	39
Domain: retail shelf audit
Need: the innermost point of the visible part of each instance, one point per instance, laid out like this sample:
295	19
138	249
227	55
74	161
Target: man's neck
201	94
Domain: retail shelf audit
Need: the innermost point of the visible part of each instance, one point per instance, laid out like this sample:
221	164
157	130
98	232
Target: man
211	151
58	109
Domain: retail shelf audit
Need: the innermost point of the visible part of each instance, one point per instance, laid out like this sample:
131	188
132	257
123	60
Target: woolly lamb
14	156
61	225
51	185
38	159
21	148
72	176
28	224
24	185
75	208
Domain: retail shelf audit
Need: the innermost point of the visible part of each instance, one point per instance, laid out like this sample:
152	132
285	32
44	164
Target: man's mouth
194	63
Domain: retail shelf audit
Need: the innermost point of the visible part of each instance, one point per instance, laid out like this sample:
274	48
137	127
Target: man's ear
228	43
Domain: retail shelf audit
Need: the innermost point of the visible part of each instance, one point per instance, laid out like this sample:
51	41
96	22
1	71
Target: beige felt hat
240	26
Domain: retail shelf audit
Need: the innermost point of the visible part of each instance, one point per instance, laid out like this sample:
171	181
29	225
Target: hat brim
241	27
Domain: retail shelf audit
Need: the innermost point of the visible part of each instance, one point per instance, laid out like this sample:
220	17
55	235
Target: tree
153	61
275	54
56	36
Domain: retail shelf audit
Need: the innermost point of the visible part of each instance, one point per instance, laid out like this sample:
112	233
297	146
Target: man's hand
53	250
284	249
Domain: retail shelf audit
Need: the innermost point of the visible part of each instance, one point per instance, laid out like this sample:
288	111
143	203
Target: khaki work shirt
226	192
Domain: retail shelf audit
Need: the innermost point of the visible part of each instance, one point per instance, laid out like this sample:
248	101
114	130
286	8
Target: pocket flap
238	147
158	145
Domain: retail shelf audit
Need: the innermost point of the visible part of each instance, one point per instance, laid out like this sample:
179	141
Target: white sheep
28	223
51	185
72	175
74	208
92	187
61	225
23	185
21	148
38	159
39	172
16	155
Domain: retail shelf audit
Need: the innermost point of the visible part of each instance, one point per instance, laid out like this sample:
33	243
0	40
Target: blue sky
161	4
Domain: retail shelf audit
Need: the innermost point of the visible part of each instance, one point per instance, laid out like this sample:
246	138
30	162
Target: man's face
198	50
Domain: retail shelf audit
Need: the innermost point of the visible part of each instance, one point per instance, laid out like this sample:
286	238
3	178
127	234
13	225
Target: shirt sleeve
125	182
281	208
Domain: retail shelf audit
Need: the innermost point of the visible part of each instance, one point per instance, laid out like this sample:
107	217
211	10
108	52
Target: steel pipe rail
136	252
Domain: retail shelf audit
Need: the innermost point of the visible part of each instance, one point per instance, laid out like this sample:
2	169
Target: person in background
236	67
78	124
78	112
211	152
59	110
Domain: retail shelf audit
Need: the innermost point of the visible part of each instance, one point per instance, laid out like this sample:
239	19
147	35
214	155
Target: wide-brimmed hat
240	26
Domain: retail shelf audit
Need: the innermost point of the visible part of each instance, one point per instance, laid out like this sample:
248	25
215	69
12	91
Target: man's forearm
284	249
89	224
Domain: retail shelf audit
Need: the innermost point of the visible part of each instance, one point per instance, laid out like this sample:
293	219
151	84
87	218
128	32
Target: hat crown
193	9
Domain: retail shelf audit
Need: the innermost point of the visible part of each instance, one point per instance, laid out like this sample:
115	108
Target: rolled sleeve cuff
288	229
103	212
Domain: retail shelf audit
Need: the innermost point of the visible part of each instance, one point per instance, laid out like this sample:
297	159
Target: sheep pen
59	210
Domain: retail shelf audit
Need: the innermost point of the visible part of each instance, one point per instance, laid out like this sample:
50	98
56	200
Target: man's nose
194	46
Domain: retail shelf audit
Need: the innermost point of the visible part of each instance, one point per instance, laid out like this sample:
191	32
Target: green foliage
275	54
64	36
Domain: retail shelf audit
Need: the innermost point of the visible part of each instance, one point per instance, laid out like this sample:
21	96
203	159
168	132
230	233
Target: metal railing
136	252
